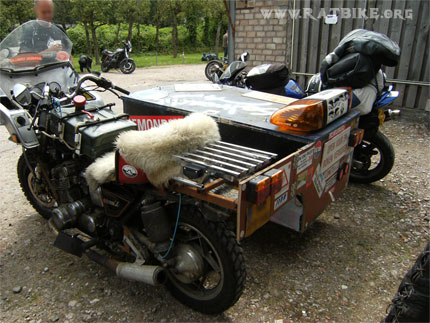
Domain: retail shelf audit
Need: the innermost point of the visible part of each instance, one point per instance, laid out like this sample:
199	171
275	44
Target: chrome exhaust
392	114
152	275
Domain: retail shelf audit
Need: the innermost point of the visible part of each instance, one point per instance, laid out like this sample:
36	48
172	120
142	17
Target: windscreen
34	44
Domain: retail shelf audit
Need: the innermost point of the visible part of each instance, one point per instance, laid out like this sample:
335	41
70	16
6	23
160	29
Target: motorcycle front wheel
373	159
213	67
209	272
105	67
127	66
35	188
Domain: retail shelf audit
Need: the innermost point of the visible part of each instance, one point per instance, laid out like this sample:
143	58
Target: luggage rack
228	161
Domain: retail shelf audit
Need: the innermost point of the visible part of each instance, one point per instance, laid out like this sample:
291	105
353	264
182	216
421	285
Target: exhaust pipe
392	114
152	275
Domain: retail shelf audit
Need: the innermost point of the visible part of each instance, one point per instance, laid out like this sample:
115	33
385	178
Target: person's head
44	10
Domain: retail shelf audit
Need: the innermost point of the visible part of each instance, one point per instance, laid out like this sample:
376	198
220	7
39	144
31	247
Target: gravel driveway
345	268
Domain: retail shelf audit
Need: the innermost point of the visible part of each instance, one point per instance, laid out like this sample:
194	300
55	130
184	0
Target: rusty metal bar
210	197
214	184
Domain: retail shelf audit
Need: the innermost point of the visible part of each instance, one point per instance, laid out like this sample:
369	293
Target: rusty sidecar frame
313	168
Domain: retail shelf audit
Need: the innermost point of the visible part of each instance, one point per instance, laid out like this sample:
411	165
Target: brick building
264	38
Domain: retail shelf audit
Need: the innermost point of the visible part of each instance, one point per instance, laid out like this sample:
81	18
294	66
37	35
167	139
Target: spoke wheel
209	271
35	190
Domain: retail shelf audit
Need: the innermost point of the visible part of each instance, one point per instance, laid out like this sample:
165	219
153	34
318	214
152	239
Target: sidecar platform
315	167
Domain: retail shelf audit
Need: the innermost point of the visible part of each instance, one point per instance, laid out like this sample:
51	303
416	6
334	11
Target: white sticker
331	170
286	172
304	160
335	149
280	201
129	171
319	181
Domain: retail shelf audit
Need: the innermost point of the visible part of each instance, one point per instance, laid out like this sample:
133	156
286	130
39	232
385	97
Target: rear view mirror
21	94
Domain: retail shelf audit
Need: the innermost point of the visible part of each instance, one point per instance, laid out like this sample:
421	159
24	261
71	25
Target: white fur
102	170
152	150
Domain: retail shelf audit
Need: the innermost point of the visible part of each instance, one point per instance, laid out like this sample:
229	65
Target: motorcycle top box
91	134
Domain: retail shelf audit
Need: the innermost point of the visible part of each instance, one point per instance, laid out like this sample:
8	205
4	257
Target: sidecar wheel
214	274
36	192
373	159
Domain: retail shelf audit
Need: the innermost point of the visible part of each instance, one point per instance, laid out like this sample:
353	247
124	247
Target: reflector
314	112
302	116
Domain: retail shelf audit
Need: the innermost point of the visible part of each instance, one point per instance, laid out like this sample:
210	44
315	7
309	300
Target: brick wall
264	39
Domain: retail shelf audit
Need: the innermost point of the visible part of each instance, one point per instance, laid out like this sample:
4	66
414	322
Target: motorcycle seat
110	53
150	155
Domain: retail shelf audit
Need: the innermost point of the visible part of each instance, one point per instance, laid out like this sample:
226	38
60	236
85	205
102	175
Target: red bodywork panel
128	174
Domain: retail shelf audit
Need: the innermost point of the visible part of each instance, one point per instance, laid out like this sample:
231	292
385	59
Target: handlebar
100	81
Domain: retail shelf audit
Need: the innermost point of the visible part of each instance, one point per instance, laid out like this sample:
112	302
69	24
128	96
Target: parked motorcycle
355	63
216	66
131	228
374	157
234	74
120	58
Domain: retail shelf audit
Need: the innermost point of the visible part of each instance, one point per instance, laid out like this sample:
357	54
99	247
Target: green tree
193	17
92	15
63	13
131	12
176	7
14	13
159	11
215	22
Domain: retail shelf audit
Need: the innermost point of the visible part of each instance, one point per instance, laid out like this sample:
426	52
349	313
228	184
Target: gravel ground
345	268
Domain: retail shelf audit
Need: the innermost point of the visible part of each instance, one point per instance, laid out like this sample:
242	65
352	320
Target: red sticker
62	56
148	122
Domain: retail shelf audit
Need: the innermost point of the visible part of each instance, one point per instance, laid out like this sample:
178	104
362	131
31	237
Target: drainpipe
292	37
232	20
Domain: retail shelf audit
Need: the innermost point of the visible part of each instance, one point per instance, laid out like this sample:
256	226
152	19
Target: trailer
258	171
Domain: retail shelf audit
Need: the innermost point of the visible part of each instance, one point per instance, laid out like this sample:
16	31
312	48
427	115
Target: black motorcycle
233	75
97	204
119	58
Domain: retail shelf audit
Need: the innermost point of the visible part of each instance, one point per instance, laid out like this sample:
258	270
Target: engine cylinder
66	215
155	221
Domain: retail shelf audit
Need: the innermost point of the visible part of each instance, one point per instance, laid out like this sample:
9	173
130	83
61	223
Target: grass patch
149	59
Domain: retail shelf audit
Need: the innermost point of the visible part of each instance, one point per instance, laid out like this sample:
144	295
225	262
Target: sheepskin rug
152	150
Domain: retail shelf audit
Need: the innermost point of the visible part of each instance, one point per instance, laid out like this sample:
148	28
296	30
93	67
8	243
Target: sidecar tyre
221	257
